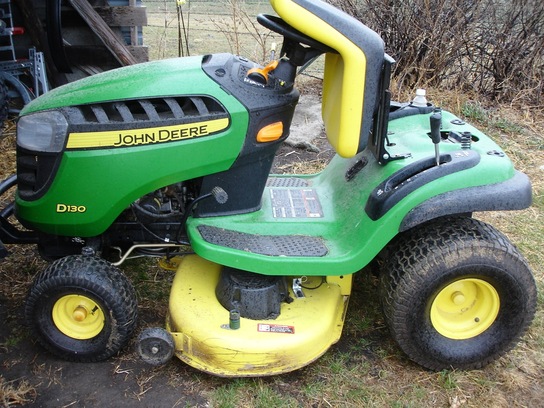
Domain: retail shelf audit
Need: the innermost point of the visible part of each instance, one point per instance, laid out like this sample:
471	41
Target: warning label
275	328
295	203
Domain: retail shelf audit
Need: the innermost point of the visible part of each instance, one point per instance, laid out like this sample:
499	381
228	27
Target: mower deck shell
306	328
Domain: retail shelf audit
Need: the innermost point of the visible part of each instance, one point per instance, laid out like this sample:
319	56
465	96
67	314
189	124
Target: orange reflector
270	133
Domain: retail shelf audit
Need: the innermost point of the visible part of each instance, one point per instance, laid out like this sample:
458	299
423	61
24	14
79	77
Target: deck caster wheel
155	346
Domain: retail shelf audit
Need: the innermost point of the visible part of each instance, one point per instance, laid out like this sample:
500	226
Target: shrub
494	47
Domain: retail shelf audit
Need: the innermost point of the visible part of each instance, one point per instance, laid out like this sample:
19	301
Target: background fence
199	27
204	26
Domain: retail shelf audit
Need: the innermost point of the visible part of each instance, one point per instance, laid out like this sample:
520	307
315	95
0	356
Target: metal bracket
39	74
297	288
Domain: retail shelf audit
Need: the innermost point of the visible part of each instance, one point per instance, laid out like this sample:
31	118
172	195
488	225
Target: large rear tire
456	294
82	308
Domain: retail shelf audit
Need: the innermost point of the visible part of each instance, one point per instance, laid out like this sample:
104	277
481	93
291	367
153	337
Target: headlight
42	131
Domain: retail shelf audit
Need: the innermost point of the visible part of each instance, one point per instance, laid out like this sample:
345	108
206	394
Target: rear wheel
82	308
456	294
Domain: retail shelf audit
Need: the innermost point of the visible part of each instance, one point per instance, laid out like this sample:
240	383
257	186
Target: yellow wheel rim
78	317
465	309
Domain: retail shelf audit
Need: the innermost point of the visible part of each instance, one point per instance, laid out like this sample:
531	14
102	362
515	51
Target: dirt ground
39	379
34	378
120	381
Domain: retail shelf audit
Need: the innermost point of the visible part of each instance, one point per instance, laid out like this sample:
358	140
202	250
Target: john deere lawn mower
172	158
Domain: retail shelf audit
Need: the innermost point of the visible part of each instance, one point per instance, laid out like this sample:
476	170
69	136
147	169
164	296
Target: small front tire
82	308
456	294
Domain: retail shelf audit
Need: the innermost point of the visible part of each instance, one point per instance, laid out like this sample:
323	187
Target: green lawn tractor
172	159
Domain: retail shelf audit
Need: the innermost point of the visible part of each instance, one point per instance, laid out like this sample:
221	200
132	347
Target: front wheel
456	294
82	308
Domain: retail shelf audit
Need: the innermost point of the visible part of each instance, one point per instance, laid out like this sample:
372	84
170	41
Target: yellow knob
260	75
458	298
80	314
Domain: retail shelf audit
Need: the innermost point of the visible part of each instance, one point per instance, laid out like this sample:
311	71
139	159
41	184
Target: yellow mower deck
305	329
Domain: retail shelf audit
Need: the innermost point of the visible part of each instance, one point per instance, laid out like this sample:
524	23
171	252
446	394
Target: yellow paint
146	136
465	309
305	329
78	317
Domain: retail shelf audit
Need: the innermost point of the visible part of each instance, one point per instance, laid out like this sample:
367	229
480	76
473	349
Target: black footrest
270	245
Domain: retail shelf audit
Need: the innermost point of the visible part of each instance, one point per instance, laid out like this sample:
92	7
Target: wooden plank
134	29
123	16
90	69
126	16
99	55
114	44
140	52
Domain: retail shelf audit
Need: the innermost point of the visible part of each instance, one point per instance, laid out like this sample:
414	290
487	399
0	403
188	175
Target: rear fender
512	194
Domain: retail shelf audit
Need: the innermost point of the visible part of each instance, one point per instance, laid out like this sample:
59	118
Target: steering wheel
279	26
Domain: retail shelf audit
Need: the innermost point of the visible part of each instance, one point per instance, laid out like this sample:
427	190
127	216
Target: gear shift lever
436	123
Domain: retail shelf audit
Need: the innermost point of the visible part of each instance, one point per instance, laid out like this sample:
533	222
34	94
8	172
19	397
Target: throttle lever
273	51
436	123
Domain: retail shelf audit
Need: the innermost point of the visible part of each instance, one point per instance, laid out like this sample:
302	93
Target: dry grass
7	143
224	26
365	368
16	392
